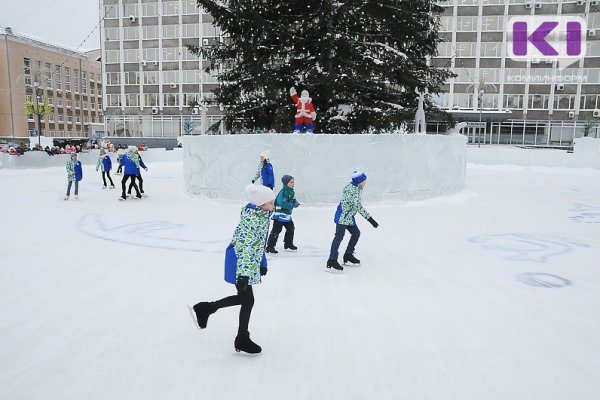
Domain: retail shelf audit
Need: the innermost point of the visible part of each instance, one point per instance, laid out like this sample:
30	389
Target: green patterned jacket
349	206
258	176
71	170
100	164
249	242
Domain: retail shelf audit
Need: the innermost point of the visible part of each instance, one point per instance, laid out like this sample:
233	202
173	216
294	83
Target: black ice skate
348	257
243	343
290	247
334	266
271	249
200	313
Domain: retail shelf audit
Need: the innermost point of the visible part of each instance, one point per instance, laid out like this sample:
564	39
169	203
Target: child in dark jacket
139	176
284	204
104	164
245	264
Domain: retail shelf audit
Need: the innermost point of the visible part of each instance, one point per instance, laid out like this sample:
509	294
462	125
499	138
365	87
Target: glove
297	204
292	91
263	271
373	222
242	283
252	180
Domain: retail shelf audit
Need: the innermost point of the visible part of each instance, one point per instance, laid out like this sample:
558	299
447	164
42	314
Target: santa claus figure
305	113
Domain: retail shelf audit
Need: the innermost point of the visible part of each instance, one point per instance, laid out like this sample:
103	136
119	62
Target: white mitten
292	91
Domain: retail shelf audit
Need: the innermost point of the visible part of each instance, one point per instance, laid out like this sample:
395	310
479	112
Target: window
111	11
67	79
466	23
69	119
59	101
113	78
27	71
150	54
463	100
150	99
590	102
210	29
492	23
191	76
188	55
132	78
131	56
92	103
150	77
114	100
191	30
150	9
465	49
171	100
190	7
91	76
171	54
51	100
132	100
57	77
170	7
61	118
490	49
170	31
77	103
83	82
48	75
111	34
99	103
92	89
446	24
191	98
131	33
150	32
130	9
170	77
112	56
76	80
564	102
69	103
490	75
85	104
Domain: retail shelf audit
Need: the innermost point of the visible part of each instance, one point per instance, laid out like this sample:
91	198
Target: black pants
139	178
109	178
245	298
340	230
120	169
277	228
124	183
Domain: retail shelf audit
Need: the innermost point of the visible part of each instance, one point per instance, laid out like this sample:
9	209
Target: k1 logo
560	38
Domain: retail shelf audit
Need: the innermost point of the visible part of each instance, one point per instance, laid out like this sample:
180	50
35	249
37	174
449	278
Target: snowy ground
493	293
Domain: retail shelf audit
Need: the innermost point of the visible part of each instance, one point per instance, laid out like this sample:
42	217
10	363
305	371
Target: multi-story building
538	102
152	80
36	71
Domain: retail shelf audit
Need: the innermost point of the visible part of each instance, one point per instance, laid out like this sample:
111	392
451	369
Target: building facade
31	70
531	102
152	80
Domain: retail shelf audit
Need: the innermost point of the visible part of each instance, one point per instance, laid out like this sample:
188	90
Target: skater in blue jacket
104	164
138	175
344	220
131	164
264	174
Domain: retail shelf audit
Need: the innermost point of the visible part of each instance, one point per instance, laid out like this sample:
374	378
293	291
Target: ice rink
492	293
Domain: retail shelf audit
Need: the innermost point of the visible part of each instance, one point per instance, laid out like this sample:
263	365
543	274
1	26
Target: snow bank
39	159
399	167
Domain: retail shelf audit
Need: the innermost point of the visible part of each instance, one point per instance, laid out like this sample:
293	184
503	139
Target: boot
349	257
271	249
335	265
290	247
243	343
203	311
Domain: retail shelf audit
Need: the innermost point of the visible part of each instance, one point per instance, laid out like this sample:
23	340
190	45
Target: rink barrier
398	167
40	159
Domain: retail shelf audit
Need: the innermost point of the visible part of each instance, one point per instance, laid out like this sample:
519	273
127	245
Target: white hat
132	148
259	194
266	154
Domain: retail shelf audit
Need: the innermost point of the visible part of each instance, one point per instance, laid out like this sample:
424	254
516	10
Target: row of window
153	77
152	99
561	102
494	49
168	32
152	9
58	133
523	75
494	23
68	103
60	118
52	77
150	55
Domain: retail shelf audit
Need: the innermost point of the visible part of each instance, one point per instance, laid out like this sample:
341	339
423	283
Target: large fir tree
361	60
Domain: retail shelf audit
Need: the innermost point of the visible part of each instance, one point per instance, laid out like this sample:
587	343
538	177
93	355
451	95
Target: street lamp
36	86
480	97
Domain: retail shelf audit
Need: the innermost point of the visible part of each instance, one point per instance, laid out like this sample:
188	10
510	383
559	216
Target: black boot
349	257
203	311
290	246
243	343
271	249
335	265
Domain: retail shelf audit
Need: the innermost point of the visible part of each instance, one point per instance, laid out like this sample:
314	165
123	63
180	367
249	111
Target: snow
491	293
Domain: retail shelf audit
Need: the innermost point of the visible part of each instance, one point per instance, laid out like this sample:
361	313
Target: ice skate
349	258
290	247
76	197
200	313
243	343
112	187
271	249
103	187
66	198
123	198
138	197
334	266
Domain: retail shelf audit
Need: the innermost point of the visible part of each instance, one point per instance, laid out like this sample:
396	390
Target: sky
63	22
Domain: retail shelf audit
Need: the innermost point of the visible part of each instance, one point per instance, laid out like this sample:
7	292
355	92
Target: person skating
284	204
105	165
74	175
120	161
138	176
344	219
131	164
245	265
264	173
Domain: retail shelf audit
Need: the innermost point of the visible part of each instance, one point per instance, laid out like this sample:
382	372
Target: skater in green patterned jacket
245	264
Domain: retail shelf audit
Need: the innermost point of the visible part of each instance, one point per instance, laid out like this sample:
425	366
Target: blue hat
286	179
358	177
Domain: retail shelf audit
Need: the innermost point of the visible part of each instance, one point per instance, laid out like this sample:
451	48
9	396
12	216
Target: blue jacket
107	162
130	165
267	175
142	165
78	171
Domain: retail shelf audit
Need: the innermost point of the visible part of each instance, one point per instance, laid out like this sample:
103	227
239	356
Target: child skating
284	204
120	162
245	264
74	175
264	174
104	164
131	164
138	176
344	220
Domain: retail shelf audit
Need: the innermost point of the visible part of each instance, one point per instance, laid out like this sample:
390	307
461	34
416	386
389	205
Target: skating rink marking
585	213
543	280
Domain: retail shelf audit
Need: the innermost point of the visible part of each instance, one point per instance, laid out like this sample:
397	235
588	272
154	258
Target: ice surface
399	167
491	293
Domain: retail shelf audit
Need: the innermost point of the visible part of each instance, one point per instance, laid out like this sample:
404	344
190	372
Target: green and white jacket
249	242
350	205
71	171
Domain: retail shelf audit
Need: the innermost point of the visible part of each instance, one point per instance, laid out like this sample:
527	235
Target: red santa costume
305	113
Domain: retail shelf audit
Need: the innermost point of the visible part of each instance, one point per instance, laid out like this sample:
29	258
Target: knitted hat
358	177
102	151
286	179
259	194
266	154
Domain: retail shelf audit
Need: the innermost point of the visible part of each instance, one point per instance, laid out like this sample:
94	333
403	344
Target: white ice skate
66	198
76	197
103	187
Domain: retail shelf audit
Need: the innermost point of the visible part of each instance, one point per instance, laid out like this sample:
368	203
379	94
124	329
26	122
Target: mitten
242	283
263	271
292	91
373	222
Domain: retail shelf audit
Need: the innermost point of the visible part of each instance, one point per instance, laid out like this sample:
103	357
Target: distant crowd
67	149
